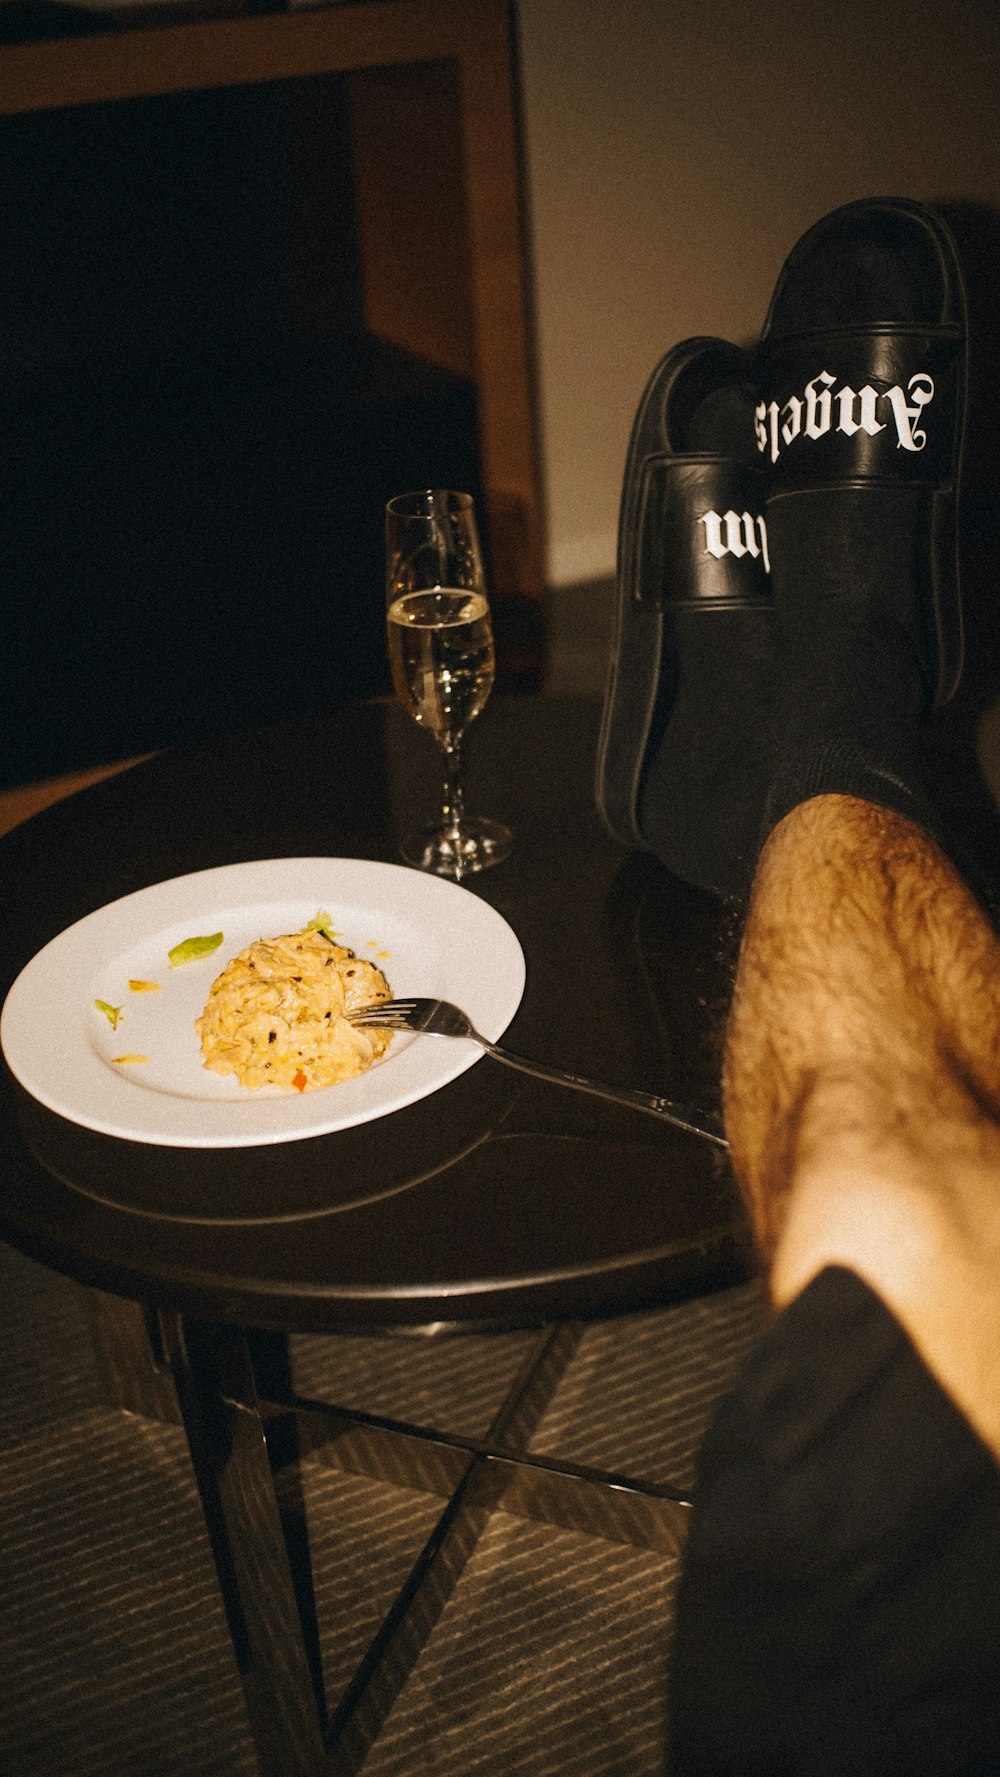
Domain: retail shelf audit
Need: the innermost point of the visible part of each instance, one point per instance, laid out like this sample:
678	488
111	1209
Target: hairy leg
862	1082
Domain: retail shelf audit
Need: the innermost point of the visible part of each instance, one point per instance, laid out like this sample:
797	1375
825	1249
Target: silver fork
439	1018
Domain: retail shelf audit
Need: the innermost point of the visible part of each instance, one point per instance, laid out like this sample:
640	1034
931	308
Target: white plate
428	935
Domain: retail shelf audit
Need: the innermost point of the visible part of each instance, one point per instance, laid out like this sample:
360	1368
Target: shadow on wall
37	21
195	541
964	739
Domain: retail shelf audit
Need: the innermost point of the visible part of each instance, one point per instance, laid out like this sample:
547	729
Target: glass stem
453	809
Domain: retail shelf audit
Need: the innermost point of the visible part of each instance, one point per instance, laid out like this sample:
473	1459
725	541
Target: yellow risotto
275	1016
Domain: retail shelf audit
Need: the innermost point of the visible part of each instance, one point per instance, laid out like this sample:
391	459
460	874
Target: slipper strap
700	536
861	404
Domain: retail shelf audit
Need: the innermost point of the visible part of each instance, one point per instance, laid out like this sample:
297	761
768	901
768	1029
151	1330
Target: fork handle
682	1116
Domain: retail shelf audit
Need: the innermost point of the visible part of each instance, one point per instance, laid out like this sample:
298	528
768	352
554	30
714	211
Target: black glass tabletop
494	1197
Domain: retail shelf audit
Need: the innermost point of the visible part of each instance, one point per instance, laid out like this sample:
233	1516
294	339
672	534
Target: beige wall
676	149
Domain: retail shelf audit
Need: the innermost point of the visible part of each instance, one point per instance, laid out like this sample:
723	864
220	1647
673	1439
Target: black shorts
839	1610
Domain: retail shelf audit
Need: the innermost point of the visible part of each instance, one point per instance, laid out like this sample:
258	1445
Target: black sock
703	791
853	675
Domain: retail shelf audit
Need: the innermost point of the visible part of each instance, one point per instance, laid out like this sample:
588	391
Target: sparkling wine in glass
440	639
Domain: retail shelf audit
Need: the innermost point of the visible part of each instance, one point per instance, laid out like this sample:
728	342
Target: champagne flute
441	653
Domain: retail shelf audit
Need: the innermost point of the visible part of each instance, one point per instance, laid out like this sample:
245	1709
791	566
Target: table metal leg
128	1349
215	1386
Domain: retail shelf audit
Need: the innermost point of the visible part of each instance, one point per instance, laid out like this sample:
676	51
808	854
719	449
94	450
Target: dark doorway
197	434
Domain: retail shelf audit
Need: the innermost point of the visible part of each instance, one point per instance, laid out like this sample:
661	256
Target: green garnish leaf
322	923
111	1013
190	949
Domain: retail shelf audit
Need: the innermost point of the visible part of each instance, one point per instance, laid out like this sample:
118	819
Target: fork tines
382	1012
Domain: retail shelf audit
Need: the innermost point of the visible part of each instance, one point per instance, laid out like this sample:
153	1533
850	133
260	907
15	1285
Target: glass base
460	850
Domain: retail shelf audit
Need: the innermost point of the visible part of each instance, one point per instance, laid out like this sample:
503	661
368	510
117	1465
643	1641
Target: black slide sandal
689	677
862	377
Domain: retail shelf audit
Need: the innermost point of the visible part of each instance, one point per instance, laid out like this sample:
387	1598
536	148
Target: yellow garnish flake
129	1060
144	987
111	1013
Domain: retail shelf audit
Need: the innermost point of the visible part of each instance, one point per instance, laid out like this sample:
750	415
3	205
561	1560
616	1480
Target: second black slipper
683	735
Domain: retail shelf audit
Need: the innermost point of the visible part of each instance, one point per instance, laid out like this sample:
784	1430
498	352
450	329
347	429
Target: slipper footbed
869	263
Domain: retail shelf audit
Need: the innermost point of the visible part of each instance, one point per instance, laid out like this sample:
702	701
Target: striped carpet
550	1654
